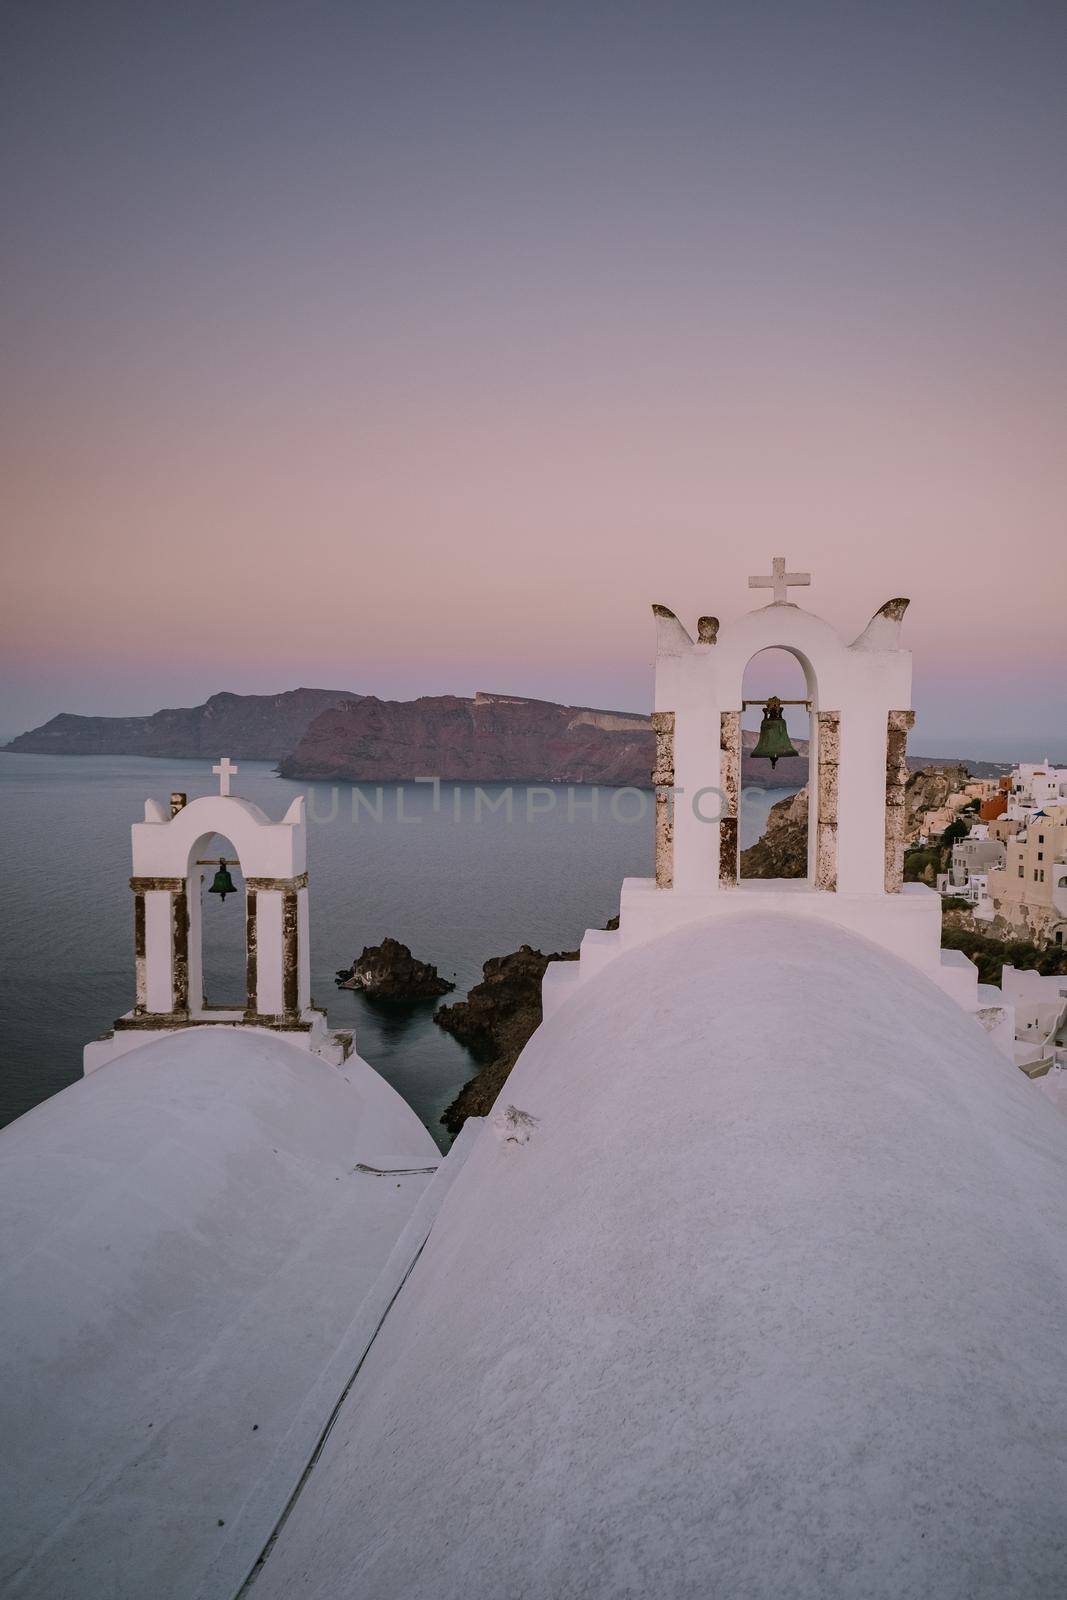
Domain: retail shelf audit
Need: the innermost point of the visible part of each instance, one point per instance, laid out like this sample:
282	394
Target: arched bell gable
860	697
167	883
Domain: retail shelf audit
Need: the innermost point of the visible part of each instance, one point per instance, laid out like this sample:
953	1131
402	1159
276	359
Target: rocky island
493	738
389	971
252	727
332	735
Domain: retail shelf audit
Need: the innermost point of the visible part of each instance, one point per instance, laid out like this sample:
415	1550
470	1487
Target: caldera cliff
493	738
253	727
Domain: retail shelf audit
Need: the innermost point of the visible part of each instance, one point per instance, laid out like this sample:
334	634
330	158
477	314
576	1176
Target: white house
1040	1005
973	858
1035	784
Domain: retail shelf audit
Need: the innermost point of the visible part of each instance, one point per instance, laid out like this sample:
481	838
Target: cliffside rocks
491	738
488	739
782	852
331	734
929	788
389	971
990	951
255	727
494	1022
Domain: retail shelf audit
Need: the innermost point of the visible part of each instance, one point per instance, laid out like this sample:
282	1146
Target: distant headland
335	735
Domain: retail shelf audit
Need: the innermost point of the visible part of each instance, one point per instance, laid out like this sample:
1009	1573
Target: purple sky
419	348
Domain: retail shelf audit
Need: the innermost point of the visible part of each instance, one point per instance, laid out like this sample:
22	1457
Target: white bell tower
859	698
170	853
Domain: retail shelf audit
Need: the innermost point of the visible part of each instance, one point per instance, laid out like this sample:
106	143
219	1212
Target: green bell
774	738
223	884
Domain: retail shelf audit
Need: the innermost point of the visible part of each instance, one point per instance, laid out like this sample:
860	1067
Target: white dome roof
774	1302
185	1242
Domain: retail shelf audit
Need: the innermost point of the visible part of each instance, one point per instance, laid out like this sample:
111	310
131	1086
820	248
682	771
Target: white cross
780	581
225	770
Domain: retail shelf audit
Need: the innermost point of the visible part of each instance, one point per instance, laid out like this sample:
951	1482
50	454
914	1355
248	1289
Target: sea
457	872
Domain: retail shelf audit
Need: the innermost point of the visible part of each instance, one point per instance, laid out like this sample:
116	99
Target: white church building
754	1286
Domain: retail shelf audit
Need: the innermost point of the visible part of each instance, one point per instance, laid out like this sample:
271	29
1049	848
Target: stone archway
857	787
205	856
778	670
823	758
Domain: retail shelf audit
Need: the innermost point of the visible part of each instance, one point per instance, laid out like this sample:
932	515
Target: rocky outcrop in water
494	1022
389	971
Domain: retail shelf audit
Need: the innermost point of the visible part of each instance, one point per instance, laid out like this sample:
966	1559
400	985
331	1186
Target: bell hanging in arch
223	884
774	740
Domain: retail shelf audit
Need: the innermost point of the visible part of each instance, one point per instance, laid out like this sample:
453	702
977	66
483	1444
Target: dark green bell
223	884
774	738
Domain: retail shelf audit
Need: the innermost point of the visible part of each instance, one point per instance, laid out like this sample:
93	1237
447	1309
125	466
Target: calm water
454	888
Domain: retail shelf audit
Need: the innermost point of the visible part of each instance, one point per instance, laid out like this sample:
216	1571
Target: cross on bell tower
780	581
226	770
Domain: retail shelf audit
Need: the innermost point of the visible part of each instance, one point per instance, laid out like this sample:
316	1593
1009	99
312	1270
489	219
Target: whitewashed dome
773	1303
185	1243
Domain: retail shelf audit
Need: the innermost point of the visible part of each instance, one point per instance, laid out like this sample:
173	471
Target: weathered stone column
140	958
251	953
290	968
272	949
730	784
160	946
828	725
180	947
896	779
663	779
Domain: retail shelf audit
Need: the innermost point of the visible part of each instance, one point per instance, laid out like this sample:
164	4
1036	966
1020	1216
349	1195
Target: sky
419	348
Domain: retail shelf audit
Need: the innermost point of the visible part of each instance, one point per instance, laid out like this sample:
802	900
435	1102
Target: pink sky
386	381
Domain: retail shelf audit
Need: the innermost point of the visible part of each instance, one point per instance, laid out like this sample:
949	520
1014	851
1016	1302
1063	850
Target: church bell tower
174	852
858	696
